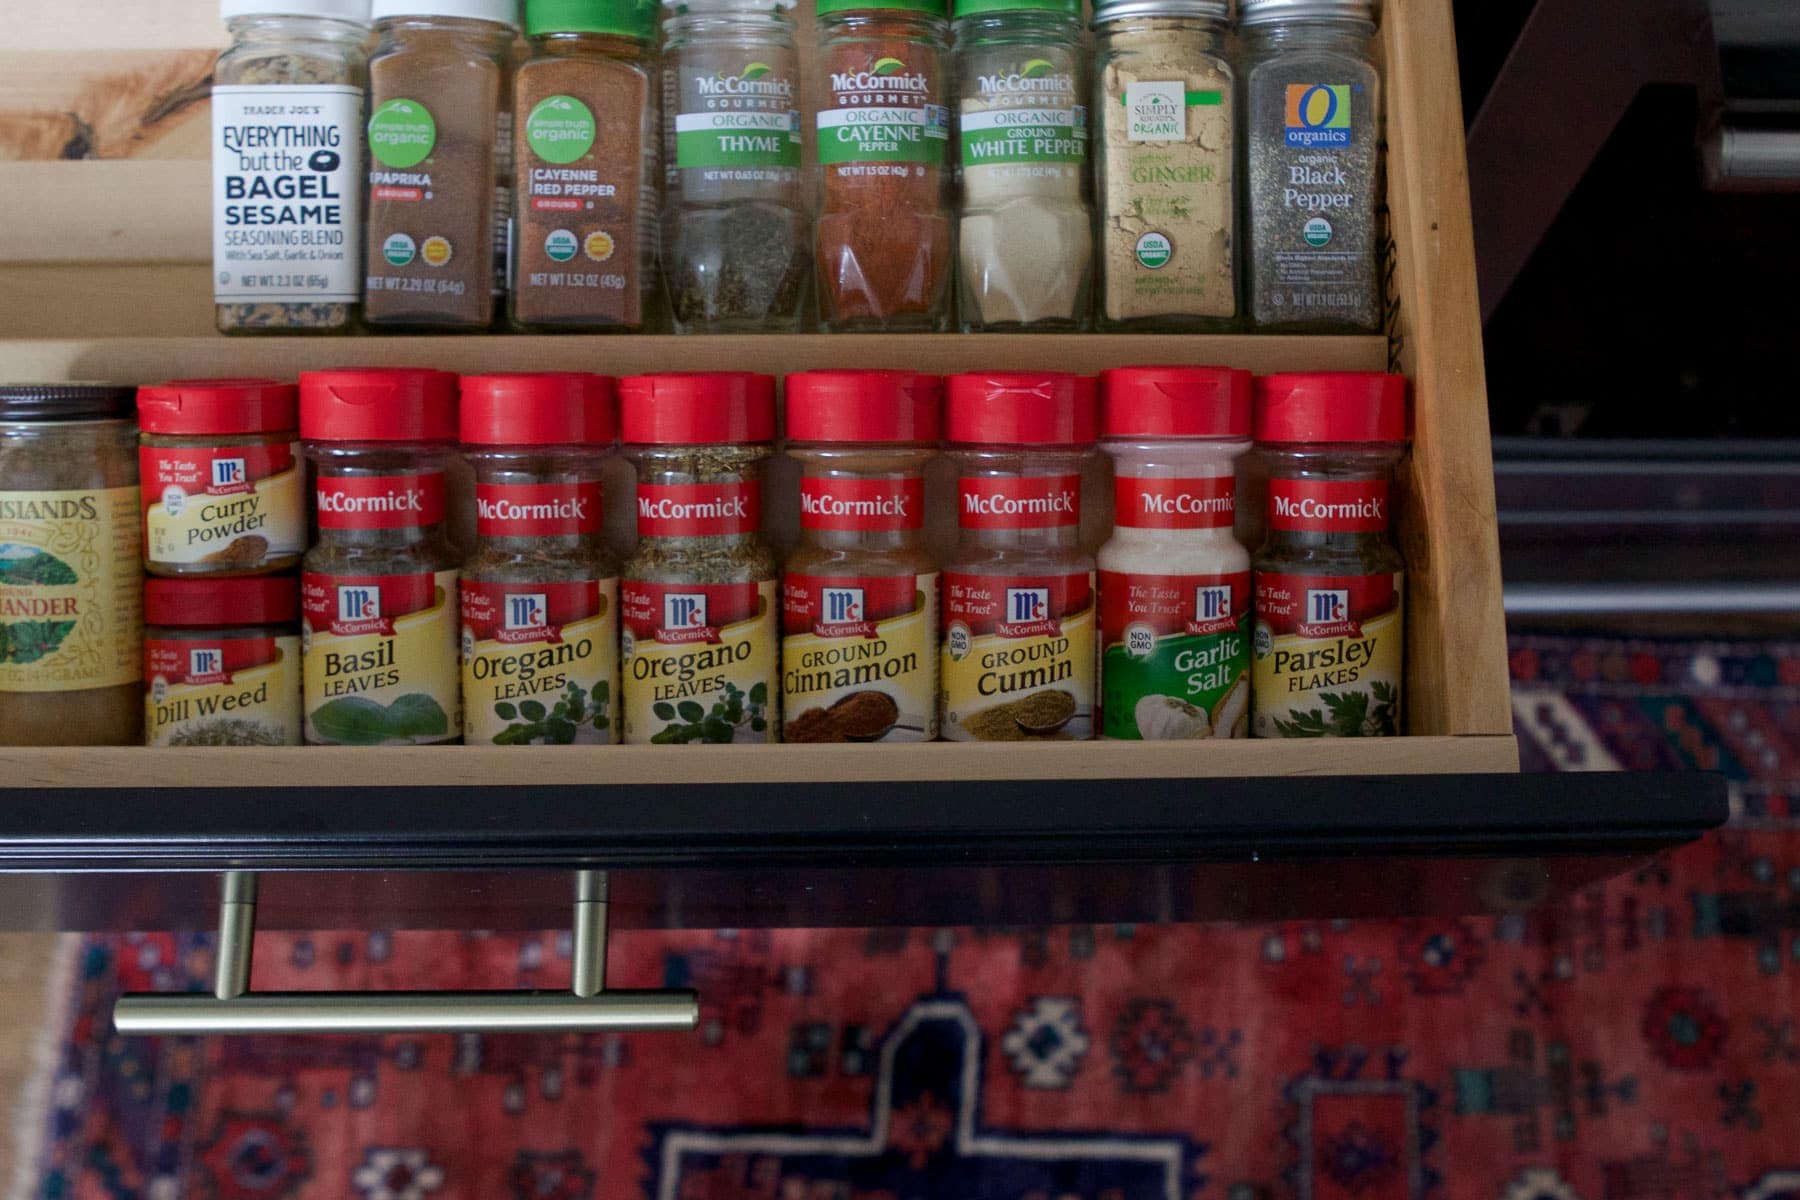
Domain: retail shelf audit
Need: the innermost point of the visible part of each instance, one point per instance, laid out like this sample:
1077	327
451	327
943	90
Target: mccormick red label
1329	655
210	470
676	614
1140	502
352	605
1328	505
517	613
1014	606
1323	606
380	501
199	662
699	509
1169	606
862	504
536	509
845	606
701	662
240	506
1019	502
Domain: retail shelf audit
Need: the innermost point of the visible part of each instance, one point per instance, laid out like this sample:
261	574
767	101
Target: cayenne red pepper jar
222	662
219	467
1330	584
1018	593
698	596
540	594
378	589
859	600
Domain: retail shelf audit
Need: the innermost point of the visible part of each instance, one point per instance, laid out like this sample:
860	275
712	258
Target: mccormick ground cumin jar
222	662
221	478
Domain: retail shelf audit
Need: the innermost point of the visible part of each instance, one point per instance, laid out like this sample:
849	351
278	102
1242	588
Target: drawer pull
233	1009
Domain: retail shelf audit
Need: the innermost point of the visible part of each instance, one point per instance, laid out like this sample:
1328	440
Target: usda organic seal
1154	250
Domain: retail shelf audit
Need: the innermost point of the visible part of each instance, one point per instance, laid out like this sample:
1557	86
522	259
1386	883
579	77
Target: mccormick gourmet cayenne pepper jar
540	594
1174	582
378	592
1018	594
1330	584
859	601
222	662
699	593
220	471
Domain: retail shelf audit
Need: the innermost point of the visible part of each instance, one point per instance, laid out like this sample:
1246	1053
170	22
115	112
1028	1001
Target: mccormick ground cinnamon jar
219	465
222	662
859	600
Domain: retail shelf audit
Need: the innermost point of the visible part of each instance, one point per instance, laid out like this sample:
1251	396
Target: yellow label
717	687
554	688
259	706
71	597
267	522
1331	678
855	680
396	684
1000	689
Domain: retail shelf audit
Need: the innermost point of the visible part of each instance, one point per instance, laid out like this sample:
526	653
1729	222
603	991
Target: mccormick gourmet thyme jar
222	662
378	592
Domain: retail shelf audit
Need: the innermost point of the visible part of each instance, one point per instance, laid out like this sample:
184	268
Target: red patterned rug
1640	1043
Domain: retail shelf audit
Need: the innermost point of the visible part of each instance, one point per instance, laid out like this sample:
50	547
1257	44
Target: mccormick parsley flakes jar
222	662
859	602
701	643
1018	594
378	590
1330	584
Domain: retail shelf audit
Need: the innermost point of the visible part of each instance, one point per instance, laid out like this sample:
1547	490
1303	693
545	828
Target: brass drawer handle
587	1007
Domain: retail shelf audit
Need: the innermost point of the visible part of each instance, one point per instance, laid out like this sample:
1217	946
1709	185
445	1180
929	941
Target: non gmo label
381	659
1176	657
540	664
228	691
859	662
70	596
223	506
1018	657
1328	655
700	662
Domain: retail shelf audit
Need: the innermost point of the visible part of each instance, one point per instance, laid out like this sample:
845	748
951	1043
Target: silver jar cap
1120	10
1261	12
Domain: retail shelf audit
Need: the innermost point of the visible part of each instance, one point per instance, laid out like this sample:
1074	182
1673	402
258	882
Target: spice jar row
990	166
540	636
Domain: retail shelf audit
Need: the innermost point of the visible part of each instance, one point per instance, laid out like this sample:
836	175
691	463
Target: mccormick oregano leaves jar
859	600
1330	584
378	592
221	476
1018	593
222	662
701	643
540	593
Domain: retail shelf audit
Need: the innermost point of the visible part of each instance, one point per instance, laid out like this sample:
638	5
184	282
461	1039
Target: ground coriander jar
859	599
540	593
1025	233
378	588
440	163
287	165
1330	585
1312	112
222	662
1018	593
736	236
1165	131
219	465
71	631
1174	581
701	643
885	226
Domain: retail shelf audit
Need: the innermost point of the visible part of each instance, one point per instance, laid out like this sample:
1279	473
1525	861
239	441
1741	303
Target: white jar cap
501	12
341	10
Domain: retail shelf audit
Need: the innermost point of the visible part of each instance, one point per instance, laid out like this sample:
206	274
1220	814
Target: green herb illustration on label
734	709
560	129
561	723
360	721
887	66
1037	68
402	134
1373	713
26	642
228	731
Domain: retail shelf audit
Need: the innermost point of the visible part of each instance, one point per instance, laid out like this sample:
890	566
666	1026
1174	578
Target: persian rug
1638	1042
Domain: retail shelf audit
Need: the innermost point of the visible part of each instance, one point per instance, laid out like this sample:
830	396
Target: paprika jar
378	589
884	230
219	465
540	593
1330	584
859	600
701	643
222	662
1174	580
1018	593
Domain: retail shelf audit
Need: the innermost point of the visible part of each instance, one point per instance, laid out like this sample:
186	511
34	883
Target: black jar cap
65	402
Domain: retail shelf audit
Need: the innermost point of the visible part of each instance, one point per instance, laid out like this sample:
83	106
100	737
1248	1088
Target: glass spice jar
1330	583
378	589
701	643
540	593
1018	593
736	236
71	629
1174	580
884	230
1312	112
220	471
859	599
586	148
222	662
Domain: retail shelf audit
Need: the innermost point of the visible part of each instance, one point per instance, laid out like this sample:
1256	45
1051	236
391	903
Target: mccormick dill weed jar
222	662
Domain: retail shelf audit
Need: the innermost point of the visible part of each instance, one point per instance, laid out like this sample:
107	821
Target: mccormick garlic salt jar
222	662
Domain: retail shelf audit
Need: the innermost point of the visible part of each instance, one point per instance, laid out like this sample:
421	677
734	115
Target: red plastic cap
708	408
1175	402
265	600
564	408
382	404
864	406
1336	406
218	406
1021	408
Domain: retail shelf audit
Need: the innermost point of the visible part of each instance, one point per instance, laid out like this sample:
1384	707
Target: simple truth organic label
700	662
1018	656
228	691
222	504
381	658
70	593
539	662
860	657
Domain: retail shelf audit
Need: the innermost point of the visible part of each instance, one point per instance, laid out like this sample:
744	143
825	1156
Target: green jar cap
975	8
627	18
934	8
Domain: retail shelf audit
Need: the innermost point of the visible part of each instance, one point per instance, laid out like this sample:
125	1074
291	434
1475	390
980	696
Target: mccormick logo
1212	610
684	619
228	473
1318	114
1327	614
1027	614
529	610
358	602
841	614
206	664
1037	75
1366	509
753	80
